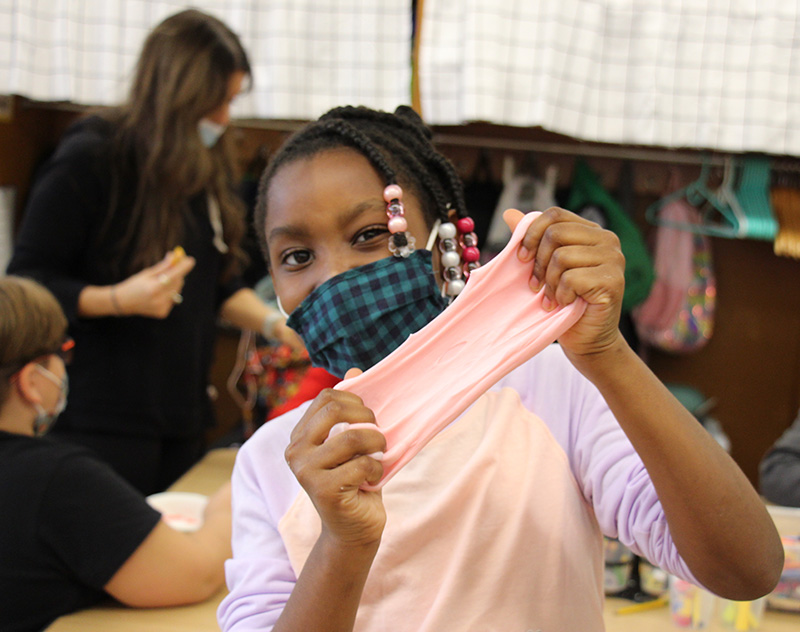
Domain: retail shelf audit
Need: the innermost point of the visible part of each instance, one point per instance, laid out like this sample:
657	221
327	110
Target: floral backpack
678	314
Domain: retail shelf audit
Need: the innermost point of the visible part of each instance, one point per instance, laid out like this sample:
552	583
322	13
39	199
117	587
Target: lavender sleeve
260	577
607	468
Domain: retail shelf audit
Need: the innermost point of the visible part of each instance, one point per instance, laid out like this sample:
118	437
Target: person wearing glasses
72	531
135	226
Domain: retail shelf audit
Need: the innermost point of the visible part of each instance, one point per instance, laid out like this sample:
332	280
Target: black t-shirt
68	522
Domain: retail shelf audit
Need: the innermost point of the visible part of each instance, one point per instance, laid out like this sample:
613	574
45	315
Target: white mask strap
280	307
434	234
49	375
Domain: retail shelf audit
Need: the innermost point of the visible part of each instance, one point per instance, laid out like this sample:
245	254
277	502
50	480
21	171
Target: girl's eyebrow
360	209
287	230
299	231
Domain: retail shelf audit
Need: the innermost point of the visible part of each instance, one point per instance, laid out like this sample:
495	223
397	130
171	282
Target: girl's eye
296	258
371	233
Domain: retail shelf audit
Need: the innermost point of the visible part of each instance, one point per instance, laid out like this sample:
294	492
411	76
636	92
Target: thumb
183	266
354	372
512	217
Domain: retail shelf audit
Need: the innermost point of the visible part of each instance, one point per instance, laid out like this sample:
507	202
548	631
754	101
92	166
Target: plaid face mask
359	317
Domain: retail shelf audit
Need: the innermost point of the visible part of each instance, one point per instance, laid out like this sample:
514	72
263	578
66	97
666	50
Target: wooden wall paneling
751	365
26	140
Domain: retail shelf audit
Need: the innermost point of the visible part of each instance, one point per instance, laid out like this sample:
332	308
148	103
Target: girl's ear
27	383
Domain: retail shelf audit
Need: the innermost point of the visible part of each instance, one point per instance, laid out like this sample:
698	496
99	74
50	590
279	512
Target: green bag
639	273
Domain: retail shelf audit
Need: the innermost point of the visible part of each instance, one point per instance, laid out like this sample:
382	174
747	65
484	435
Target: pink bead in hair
398	224
392	192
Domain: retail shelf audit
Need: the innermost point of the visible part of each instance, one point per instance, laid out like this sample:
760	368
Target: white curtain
307	55
720	74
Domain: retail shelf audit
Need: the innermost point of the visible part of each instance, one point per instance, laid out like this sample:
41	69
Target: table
204	478
658	620
214	469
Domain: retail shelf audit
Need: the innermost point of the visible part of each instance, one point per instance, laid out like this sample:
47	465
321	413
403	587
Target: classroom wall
751	366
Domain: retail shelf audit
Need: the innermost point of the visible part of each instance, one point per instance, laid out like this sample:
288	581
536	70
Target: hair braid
404	120
363	143
398	145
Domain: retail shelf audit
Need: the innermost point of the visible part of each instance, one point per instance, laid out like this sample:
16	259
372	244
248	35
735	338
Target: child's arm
329	588
247	311
716	518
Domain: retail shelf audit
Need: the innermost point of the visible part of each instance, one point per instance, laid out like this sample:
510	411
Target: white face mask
44	420
210	131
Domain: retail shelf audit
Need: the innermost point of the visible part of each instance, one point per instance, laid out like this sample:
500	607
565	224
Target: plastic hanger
753	193
727	194
717	217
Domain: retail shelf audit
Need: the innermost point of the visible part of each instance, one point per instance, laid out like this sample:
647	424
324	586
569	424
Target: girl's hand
154	291
332	471
574	257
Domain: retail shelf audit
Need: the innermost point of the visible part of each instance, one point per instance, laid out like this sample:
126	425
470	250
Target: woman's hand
331	471
288	336
154	291
573	257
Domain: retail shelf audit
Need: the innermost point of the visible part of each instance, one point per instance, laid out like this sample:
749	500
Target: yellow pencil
660	602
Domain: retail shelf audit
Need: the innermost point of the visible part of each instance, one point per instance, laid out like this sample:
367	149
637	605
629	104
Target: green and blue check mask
360	316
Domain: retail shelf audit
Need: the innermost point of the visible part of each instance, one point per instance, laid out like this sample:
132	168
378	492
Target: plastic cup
741	616
690	606
786	595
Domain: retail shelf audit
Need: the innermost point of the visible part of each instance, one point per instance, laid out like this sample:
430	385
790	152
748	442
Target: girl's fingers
584	253
349	453
537	231
512	217
352	442
355	472
329	408
570	254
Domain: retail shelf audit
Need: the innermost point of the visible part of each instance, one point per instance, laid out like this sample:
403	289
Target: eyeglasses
64	351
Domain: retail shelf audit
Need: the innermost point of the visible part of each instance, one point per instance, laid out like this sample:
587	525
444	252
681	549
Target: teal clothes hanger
753	194
717	217
727	194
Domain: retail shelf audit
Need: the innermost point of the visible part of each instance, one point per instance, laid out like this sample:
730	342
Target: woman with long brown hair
135	226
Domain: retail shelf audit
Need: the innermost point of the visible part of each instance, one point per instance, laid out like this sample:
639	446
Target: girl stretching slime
497	523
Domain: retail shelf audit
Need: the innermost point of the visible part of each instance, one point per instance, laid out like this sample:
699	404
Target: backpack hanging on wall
678	315
587	191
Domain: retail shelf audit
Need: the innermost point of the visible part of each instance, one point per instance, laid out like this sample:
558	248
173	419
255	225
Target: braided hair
397	145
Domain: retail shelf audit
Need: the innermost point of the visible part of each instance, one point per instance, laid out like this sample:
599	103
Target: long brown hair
182	75
32	325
